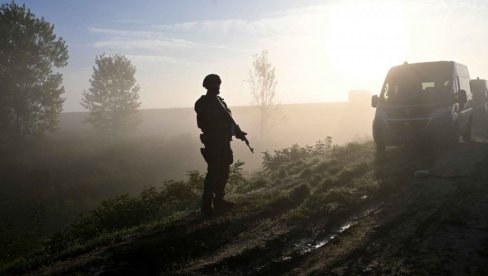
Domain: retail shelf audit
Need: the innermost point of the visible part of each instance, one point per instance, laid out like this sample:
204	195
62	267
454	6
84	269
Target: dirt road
435	225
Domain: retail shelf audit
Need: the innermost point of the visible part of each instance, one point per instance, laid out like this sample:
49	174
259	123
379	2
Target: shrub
294	153
126	211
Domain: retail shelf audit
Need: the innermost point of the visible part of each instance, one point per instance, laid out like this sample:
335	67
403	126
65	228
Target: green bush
294	153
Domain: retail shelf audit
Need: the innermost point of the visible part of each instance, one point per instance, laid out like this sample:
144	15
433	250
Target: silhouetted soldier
218	128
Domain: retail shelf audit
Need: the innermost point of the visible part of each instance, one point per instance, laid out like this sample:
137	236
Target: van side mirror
462	97
374	101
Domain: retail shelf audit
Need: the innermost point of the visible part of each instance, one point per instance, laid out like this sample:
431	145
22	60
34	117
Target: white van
423	102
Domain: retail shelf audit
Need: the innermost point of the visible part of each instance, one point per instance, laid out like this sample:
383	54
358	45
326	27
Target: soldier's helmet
211	79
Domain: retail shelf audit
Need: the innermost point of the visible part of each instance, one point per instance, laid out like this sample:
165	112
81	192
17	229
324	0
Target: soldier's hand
241	135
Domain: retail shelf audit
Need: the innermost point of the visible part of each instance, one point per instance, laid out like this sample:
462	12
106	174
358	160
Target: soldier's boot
222	205
207	209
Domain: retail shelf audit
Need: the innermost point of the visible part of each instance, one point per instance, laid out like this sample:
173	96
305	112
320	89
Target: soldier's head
212	83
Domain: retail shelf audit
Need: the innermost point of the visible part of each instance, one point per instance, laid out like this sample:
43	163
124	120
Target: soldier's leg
224	166
226	158
222	180
210	182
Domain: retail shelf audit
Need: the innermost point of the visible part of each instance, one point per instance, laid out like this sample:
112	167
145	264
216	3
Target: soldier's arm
200	110
238	133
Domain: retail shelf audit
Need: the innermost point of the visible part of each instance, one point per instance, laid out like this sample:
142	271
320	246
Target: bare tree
262	81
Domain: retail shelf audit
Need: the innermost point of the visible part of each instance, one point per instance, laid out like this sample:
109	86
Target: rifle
235	124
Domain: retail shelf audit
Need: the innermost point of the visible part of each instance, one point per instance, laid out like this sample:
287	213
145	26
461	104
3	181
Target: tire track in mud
169	251
350	241
393	233
276	254
166	249
391	240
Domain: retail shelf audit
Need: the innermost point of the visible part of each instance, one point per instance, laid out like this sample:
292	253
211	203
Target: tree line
31	90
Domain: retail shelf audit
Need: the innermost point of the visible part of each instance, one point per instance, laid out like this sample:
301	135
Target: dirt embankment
431	222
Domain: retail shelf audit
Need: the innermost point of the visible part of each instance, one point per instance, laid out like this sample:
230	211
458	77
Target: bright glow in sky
321	49
362	41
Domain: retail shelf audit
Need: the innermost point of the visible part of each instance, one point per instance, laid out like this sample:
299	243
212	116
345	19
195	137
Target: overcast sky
321	49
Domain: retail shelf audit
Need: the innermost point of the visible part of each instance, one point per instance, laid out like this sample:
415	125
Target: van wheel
467	134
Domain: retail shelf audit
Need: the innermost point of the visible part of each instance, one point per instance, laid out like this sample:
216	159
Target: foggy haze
176	132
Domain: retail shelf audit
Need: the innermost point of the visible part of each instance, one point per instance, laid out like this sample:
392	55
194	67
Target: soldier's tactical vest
212	120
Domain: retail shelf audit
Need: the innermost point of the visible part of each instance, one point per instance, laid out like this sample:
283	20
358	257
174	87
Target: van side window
390	91
427	84
386	94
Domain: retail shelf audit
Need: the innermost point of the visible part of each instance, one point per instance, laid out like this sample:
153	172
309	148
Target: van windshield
414	84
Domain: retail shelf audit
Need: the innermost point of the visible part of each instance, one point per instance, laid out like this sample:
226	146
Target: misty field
49	182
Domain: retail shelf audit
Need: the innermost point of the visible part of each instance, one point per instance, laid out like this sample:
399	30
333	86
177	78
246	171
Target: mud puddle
305	246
